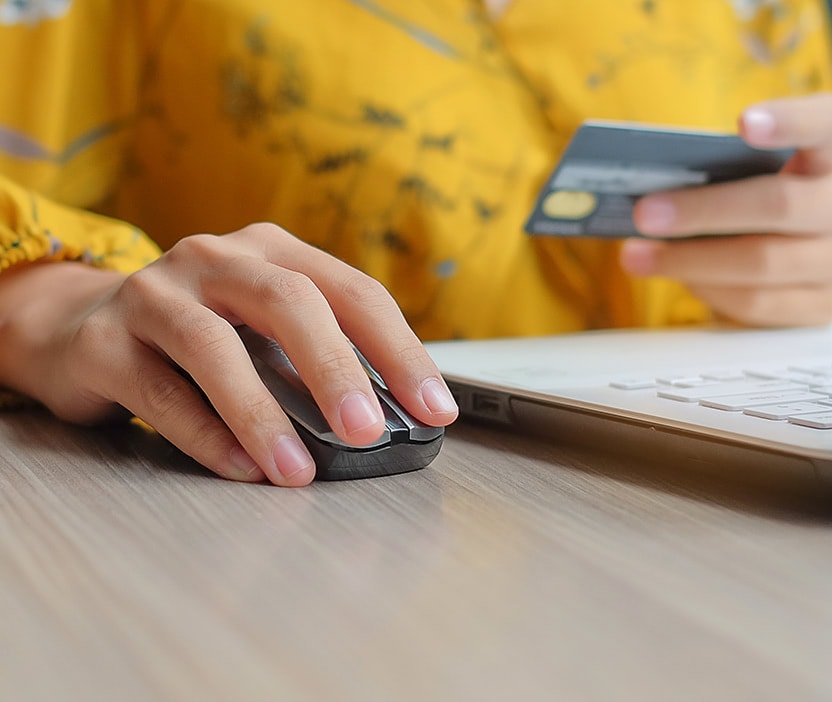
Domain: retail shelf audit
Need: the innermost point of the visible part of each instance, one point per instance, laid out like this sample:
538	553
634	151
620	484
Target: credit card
607	166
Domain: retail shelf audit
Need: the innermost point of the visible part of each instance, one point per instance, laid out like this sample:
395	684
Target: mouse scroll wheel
404	428
397	422
397	425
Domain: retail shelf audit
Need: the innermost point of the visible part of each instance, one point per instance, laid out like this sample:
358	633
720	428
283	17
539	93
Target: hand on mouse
780	272
87	343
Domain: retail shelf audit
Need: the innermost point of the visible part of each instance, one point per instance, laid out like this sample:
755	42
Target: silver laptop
760	400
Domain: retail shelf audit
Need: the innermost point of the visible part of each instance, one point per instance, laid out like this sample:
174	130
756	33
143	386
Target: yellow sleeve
68	108
33	228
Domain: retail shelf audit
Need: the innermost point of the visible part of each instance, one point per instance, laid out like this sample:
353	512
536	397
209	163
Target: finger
783	203
369	316
770	307
288	306
754	260
155	392
801	122
804	123
208	348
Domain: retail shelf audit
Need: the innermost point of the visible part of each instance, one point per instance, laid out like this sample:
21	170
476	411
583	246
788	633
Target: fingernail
358	413
438	398
291	456
638	257
656	215
759	124
245	464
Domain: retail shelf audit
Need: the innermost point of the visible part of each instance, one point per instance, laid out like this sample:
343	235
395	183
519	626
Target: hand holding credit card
607	166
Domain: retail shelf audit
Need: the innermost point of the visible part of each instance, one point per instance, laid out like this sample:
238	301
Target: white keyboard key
815	421
787	374
724	376
695	382
817	368
785	410
737	403
825	389
683	381
745	387
633	383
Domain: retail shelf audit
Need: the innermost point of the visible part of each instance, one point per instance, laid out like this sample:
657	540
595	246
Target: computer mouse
406	444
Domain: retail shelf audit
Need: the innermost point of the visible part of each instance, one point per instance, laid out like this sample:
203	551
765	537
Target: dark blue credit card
607	166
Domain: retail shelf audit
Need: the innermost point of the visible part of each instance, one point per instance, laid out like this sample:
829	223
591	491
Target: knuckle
263	229
91	333
257	413
140	286
148	294
411	356
281	286
198	338
764	256
366	291
779	200
197	247
335	366
199	433
208	442
161	395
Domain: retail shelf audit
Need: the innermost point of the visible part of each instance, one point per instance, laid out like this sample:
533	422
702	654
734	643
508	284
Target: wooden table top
511	569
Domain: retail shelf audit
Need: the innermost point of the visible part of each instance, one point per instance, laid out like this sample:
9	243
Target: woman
405	139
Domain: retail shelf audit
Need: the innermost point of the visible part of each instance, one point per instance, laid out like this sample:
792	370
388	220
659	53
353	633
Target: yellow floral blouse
408	137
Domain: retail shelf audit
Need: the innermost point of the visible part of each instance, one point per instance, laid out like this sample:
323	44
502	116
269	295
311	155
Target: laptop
721	398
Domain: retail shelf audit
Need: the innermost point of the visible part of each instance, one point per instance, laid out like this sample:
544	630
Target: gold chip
569	204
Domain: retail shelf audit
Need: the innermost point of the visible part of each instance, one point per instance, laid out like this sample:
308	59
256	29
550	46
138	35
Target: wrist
39	305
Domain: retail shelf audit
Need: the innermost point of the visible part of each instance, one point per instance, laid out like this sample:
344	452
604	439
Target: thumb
804	123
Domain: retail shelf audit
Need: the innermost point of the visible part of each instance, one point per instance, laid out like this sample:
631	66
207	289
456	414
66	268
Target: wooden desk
509	570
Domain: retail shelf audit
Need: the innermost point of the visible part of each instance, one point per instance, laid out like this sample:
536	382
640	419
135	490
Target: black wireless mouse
406	444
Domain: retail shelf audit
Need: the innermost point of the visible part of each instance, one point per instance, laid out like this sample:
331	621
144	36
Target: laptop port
489	406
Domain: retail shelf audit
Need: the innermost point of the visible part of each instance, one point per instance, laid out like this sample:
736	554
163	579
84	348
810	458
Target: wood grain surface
511	569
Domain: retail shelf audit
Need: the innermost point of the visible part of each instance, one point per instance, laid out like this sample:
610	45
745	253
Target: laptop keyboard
799	394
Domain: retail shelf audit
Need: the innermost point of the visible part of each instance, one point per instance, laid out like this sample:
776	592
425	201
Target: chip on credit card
607	166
